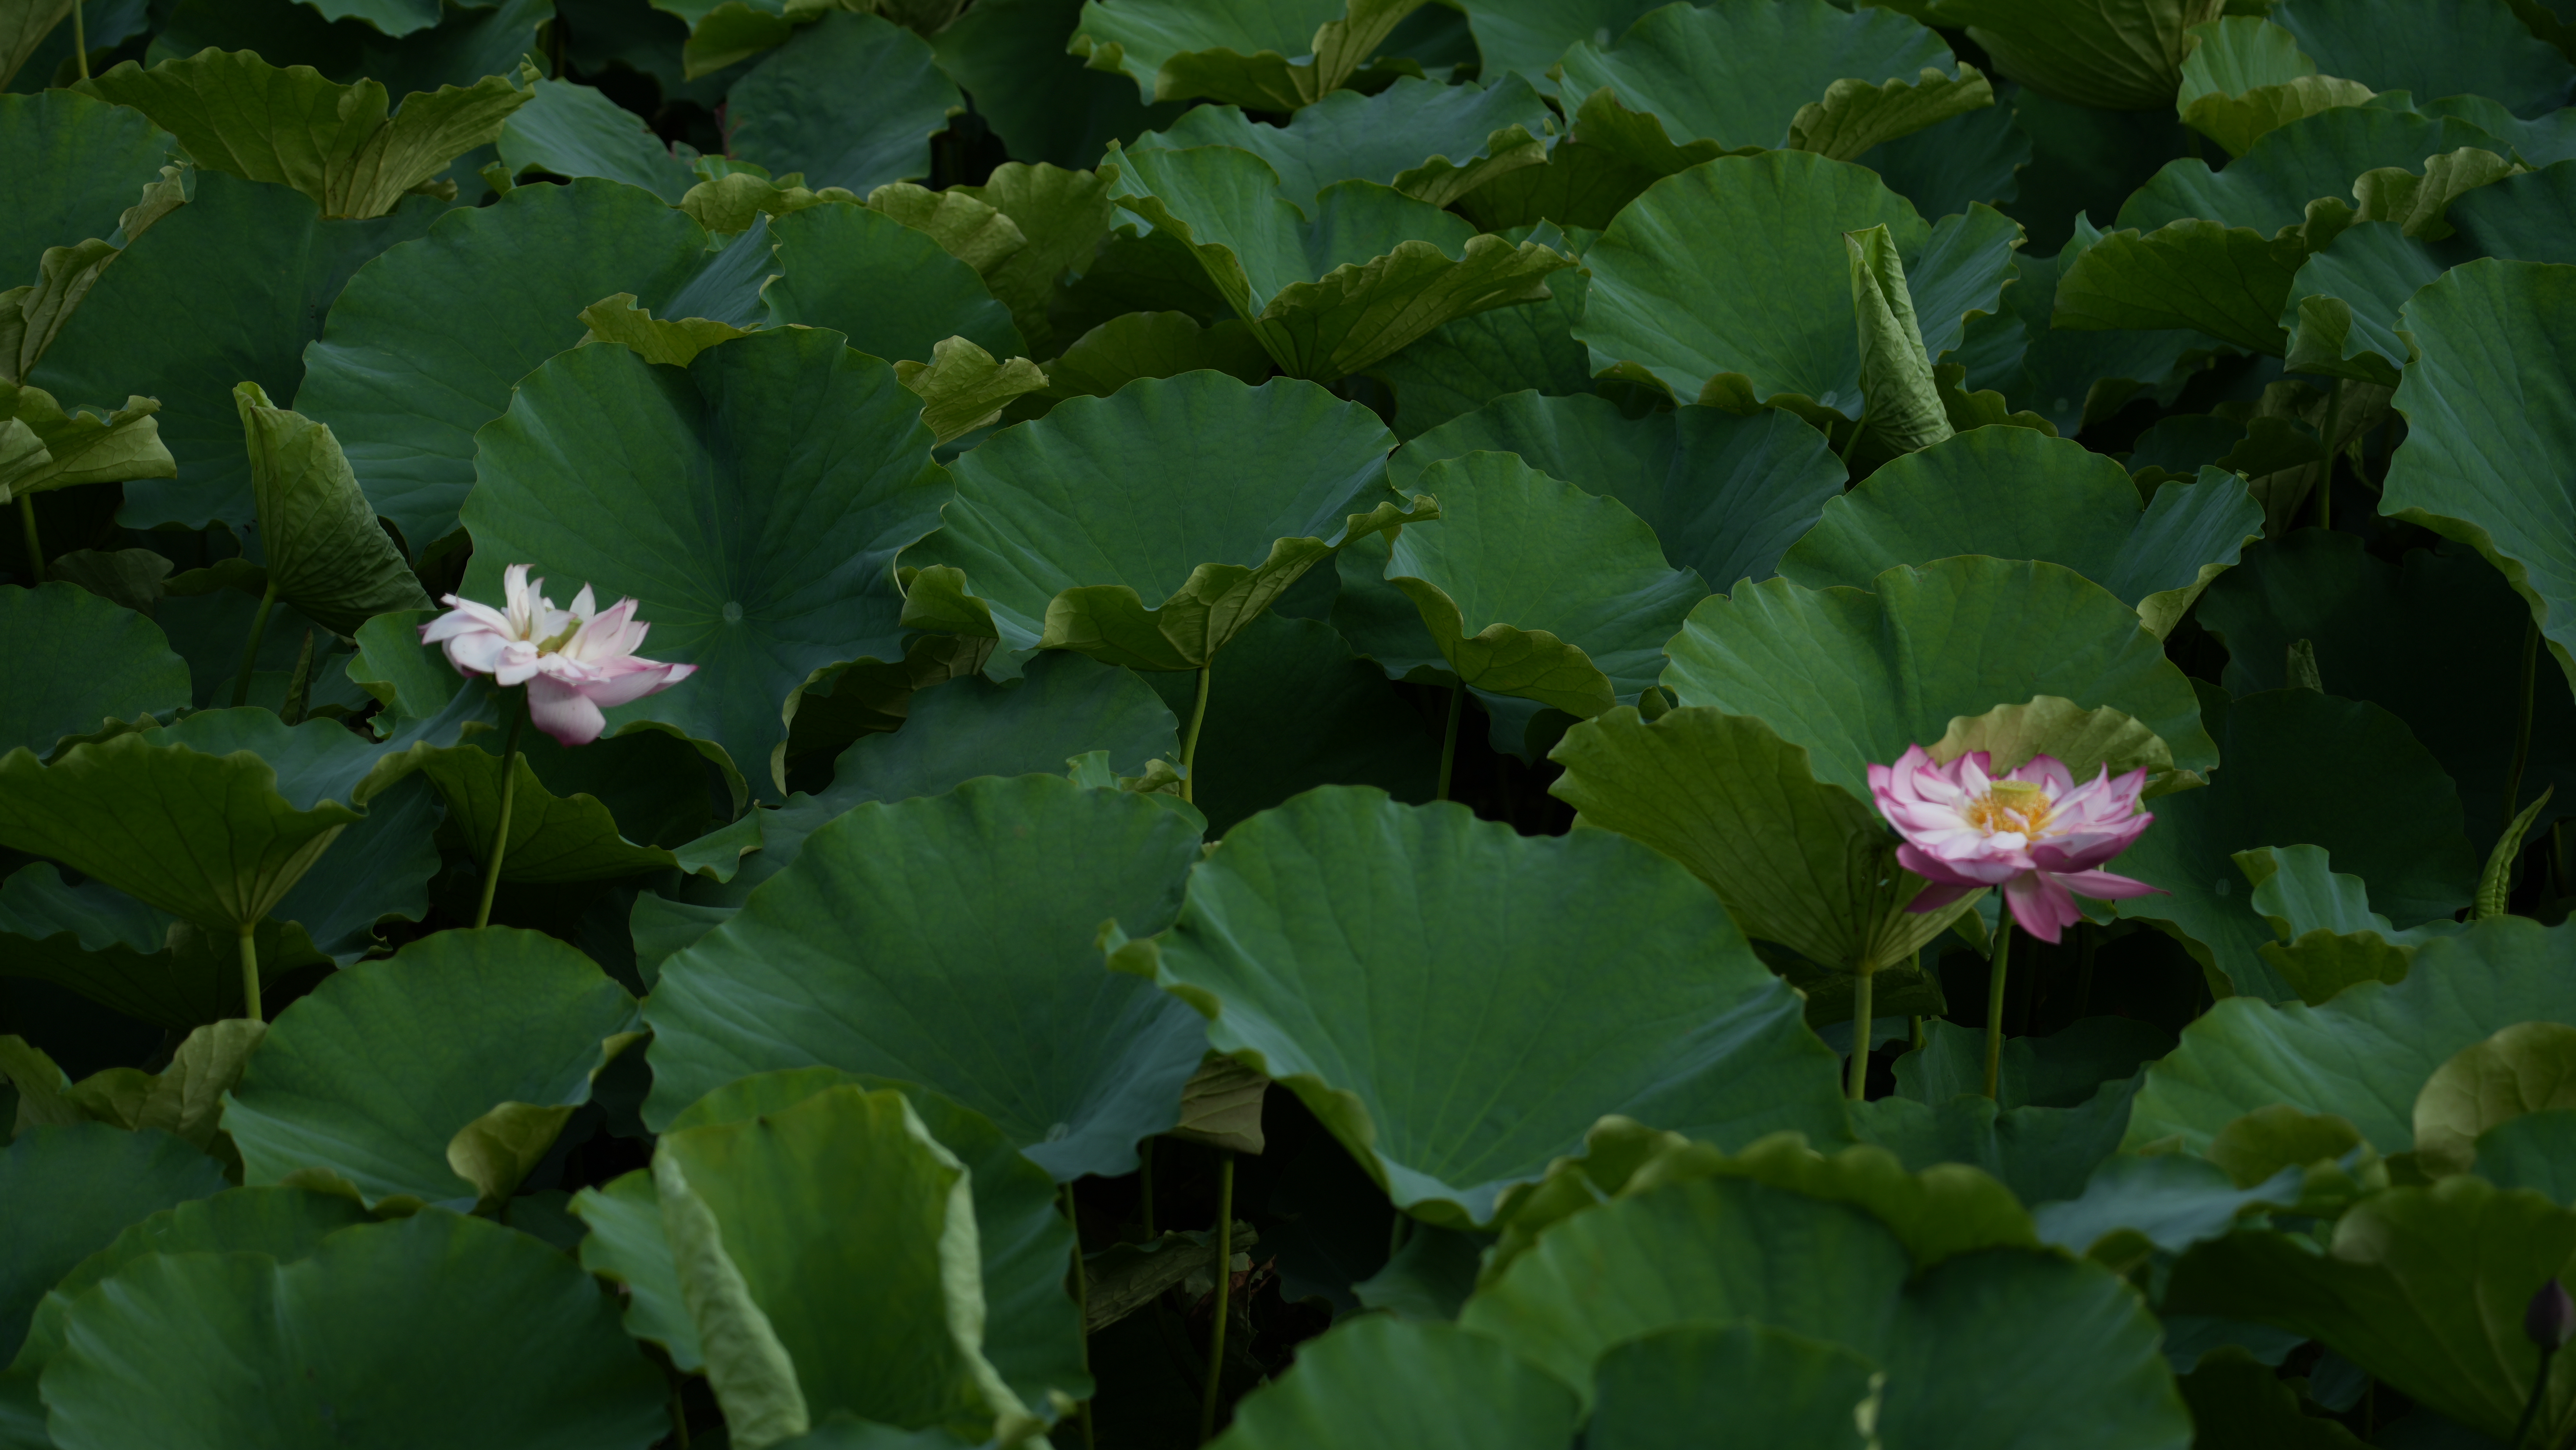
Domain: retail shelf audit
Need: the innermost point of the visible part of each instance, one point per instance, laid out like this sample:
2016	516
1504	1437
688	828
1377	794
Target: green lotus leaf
1291	707
1470	362
2328	937
462	48
238	114
1496	586
69	1190
1708	1251
2013	493
1383	1381
428	340
973	231
2270	187
851	100
1796	861
212	1349
75	164
2533	1151
1857	677
1901	407
2086	742
284	1223
1658	1389
2247	76
2072	377
573	130
2168	1200
1279	58
2463	471
1739	330
2420	1287
141	961
1022	1236
962	388
1047	106
2065	1069
185	1097
1328	294
673	342
2477	46
1725	494
326	554
2228	282
760	1215
1136	345
723	33
84	445
1088	1063
894	290
2042	1154
1394	137
2290	757
2529	1067
79	660
1066	527
1062	216
1739	76
616	807
814	452
2435	638
385	1077
252	268
1303	933
2125	55
2365	1055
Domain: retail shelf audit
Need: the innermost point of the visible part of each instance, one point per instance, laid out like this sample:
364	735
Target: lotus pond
1320	725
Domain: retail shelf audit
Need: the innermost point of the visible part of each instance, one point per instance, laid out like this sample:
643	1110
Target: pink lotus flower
2033	832
575	662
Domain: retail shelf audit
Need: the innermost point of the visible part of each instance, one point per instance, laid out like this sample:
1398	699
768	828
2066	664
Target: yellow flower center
2019	806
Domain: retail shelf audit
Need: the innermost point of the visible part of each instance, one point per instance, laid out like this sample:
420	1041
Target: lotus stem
1995	1007
1081	1302
501	830
2522	721
250	646
250	971
679	1417
80	41
1224	1272
1449	737
1863	987
2531	1407
1190	742
35	545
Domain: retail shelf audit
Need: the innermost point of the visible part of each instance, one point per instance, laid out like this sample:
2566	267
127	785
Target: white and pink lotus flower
2032	831
575	662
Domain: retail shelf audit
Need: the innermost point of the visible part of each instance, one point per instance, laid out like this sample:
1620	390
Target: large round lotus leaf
2366	1055
1376	138
1770	317
425	344
779	1223
2434	638
214	819
2489	410
2445	48
1725	494
74	165
75	661
906	950
1856	678
1290	707
2016	493
850	101
753	503
2535	1151
1528	37
2122	54
378	1334
284	1223
2270	186
141	961
2290	773
1031	1333
1263	55
2422	1287
1738	74
1662	1391
1047	106
2527	1068
1468	362
893	289
575	131
2069	376
1994	1347
441	1075
67	1191
457	51
1095	528
1459	1003
1530	586
226	289
1381	1383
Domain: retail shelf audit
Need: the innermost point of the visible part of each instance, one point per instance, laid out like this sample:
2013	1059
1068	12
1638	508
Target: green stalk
501	832
80	40
1224	1285
250	972
35	545
1449	739
2531	1407
250	647
1995	1007
2522	721
1190	742
1861	993
1081	1302
2325	485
